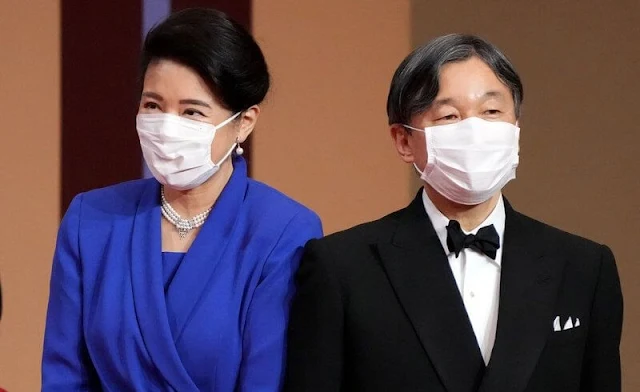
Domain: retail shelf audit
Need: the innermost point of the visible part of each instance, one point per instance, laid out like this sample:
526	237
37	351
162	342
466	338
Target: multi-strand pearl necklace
184	226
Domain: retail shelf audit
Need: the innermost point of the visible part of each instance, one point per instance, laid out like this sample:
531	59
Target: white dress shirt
477	275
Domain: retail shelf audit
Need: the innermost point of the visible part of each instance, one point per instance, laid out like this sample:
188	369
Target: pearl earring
239	149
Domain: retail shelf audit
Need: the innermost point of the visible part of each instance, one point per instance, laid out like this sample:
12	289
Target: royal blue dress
123	316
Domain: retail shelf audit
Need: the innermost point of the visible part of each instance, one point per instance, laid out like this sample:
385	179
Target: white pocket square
569	324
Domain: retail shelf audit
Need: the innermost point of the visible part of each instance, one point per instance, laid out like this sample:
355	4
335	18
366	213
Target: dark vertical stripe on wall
100	49
240	11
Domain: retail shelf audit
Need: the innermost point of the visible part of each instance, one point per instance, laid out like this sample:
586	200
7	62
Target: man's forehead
442	99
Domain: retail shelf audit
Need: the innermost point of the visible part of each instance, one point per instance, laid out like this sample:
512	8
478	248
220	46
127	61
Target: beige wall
322	137
29	162
579	61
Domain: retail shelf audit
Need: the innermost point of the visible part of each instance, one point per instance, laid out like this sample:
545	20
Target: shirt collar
440	222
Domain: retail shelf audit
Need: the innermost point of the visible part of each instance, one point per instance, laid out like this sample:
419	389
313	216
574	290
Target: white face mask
178	150
469	161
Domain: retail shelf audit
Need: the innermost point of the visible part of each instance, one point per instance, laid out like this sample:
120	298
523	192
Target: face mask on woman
177	150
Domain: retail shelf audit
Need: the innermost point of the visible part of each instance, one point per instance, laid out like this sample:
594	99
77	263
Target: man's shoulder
353	248
349	252
365	233
555	239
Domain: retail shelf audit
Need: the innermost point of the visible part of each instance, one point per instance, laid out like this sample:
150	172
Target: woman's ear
247	121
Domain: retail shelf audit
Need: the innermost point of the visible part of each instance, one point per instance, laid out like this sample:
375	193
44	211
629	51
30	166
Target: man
457	292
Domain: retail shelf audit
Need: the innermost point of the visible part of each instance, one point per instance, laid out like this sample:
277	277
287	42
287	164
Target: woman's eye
151	105
492	112
193	112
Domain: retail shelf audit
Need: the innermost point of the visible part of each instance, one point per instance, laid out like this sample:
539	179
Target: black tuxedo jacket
378	309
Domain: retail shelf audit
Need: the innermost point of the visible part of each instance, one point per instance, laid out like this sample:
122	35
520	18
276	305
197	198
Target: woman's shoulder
280	220
119	198
274	203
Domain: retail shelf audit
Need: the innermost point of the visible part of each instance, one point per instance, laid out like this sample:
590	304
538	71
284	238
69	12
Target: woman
182	282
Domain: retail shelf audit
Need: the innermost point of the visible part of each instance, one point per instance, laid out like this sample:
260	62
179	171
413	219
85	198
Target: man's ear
400	136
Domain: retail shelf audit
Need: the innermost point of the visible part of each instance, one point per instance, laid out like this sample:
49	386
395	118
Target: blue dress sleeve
65	361
264	339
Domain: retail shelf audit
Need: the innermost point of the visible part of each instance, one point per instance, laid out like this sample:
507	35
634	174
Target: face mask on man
177	150
469	161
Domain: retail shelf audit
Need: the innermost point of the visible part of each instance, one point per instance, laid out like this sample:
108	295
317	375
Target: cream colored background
30	179
323	137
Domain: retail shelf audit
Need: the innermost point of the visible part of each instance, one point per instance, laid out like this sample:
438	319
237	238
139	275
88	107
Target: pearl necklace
184	226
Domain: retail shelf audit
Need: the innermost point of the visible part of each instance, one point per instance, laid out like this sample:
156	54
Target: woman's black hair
219	49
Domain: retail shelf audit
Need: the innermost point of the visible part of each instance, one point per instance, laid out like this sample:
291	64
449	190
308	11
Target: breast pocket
573	336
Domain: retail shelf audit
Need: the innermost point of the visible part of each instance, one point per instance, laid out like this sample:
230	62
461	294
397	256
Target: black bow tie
486	241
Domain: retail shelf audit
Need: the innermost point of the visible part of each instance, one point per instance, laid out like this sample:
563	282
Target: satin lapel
419	272
206	252
148	292
528	288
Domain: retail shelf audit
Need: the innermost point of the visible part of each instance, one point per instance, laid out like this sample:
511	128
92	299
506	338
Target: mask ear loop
412	128
233	147
420	172
238	149
227	121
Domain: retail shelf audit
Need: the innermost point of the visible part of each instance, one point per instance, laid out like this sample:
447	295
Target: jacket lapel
206	252
528	288
419	272
148	291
